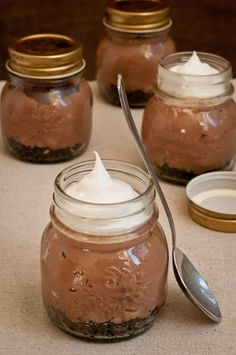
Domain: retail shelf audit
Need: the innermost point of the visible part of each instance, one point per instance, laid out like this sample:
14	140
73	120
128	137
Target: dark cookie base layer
42	154
137	98
102	332
182	177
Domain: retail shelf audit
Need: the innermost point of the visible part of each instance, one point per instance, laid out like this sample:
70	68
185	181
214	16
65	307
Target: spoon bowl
189	279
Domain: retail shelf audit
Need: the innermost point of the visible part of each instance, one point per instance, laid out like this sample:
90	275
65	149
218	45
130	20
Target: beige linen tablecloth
25	197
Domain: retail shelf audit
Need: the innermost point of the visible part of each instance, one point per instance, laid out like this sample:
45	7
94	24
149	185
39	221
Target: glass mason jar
189	126
137	38
46	105
104	266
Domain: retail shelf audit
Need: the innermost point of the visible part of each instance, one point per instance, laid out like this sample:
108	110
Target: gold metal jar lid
45	55
137	15
212	200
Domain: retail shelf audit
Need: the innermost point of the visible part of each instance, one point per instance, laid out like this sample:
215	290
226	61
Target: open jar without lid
189	126
46	105
104	266
212	200
137	37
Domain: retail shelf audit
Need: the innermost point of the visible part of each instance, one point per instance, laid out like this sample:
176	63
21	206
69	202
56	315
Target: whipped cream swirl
99	187
101	204
194	66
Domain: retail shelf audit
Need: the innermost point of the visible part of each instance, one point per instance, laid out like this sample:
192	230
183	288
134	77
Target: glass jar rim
105	218
63	194
194	87
210	57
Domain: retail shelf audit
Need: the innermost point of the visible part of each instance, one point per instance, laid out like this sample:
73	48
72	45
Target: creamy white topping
104	205
194	66
99	187
192	79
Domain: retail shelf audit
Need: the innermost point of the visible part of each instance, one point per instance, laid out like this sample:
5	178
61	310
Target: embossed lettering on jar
104	277
189	126
137	37
46	105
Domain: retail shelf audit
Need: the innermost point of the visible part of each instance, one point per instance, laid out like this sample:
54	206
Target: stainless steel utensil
187	276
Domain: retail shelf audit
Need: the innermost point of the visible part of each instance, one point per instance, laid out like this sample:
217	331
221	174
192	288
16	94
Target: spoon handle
149	166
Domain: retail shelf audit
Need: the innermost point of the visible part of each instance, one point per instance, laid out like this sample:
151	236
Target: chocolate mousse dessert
46	106
186	142
97	290
189	126
133	47
104	256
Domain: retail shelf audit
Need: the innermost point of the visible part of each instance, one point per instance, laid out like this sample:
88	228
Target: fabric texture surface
25	197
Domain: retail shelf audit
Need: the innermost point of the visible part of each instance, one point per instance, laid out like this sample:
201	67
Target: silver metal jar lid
212	200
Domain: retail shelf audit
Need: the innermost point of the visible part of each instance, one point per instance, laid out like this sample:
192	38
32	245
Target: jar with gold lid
46	105
189	125
104	265
137	37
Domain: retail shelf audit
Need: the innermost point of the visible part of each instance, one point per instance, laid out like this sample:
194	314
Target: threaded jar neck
105	218
194	88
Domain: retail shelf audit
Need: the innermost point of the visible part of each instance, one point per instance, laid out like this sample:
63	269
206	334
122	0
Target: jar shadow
179	310
34	319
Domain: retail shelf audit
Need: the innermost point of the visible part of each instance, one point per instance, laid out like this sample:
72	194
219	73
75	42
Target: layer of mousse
135	59
104	282
103	279
54	123
190	139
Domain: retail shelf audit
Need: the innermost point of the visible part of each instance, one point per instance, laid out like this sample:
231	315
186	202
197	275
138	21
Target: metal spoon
187	276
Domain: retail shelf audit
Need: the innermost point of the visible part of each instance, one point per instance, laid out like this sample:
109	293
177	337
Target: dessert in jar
46	105
137	38
189	125
104	256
